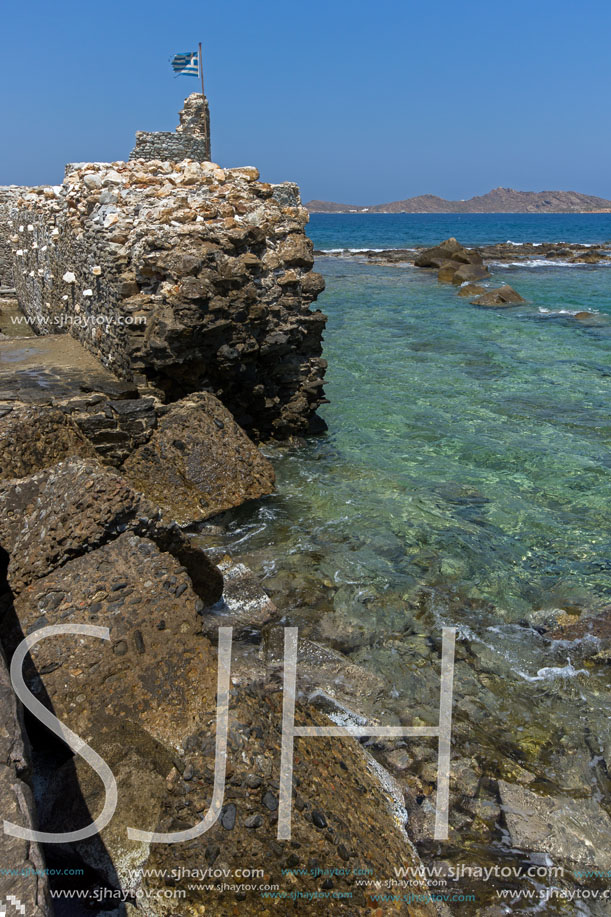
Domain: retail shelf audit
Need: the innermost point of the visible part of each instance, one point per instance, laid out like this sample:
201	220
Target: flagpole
201	68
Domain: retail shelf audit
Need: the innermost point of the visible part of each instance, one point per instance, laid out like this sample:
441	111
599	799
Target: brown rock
470	272
587	258
447	271
75	507
434	257
23	865
199	462
144	672
572	627
456	263
471	289
133	697
467	256
33	438
503	296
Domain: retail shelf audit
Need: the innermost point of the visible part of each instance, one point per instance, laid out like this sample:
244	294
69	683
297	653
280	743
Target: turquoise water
478	438
465	480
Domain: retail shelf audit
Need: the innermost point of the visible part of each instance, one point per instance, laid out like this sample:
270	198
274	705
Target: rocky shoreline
83	543
120	440
122	444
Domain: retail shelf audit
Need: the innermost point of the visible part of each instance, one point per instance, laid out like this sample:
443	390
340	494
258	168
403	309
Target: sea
464	481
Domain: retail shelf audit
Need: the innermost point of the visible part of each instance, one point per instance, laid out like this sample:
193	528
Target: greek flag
187	63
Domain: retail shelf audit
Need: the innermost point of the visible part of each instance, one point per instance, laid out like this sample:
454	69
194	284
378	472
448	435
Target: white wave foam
552	672
356	251
538	262
545	311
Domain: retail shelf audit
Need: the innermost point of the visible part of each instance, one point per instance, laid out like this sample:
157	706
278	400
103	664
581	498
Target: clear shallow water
478	438
465	480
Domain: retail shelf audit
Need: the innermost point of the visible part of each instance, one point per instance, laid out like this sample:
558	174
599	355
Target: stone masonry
9	195
191	140
182	276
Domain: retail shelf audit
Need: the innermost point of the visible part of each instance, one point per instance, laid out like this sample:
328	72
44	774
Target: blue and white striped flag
187	63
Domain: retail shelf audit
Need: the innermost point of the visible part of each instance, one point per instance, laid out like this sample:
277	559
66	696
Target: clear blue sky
358	102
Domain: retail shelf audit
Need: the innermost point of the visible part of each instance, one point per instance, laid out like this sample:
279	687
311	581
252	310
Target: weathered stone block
199	462
69	510
33	438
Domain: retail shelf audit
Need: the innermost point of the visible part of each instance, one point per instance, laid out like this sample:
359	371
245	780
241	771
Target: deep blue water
402	230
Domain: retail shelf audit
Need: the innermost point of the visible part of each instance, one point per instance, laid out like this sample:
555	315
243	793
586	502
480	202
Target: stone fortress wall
179	275
9	195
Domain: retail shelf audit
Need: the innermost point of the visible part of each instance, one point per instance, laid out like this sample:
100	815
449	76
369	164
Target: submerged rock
199	462
594	629
574	830
245	605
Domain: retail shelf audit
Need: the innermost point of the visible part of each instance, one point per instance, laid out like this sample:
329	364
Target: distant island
500	200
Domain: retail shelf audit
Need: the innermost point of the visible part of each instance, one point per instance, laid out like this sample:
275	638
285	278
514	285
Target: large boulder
467	273
455	263
33	438
133	697
457	272
199	462
75	507
503	296
450	250
149	669
447	271
435	257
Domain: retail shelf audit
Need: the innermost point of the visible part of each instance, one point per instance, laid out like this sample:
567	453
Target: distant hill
500	200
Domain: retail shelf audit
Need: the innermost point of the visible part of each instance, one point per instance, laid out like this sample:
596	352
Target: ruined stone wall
8	198
181	275
191	140
169	146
